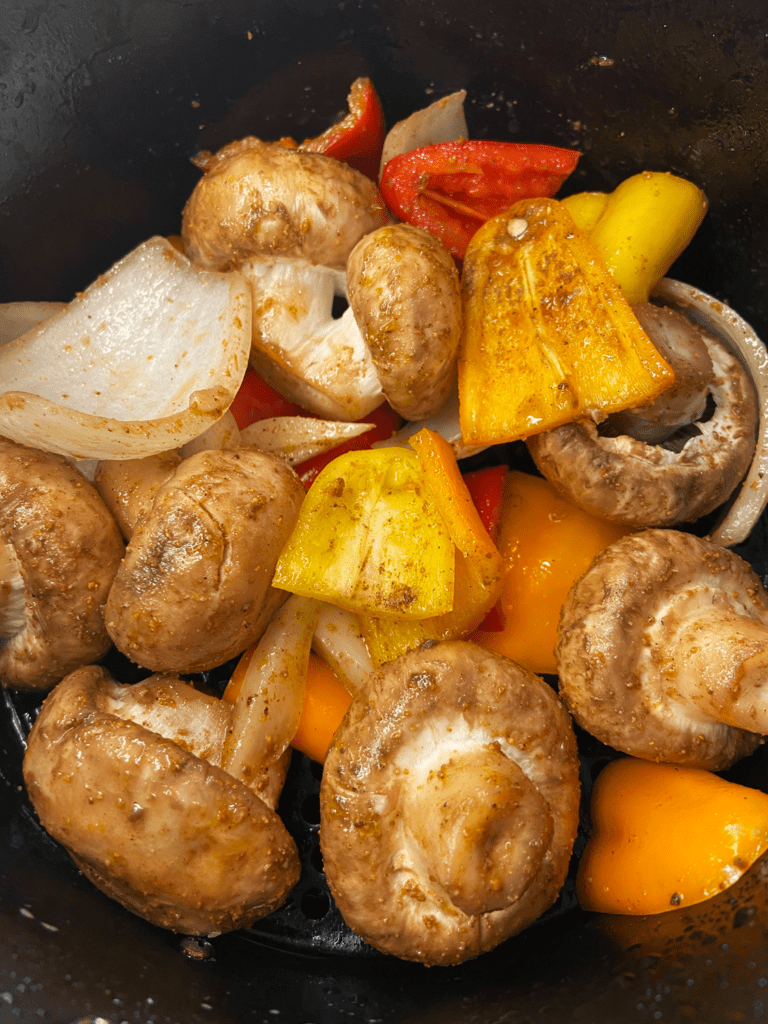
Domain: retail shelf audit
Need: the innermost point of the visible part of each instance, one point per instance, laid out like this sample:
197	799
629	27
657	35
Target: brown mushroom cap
405	294
638	484
449	804
660	650
172	837
63	548
128	486
195	588
261	198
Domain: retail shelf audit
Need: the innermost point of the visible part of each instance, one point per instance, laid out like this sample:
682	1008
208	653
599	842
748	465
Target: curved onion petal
441	121
717	318
339	640
297	438
148	357
268	708
224	433
16	318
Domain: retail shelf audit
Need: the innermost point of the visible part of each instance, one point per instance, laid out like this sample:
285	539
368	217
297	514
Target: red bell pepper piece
358	139
452	188
387	422
257	400
486	488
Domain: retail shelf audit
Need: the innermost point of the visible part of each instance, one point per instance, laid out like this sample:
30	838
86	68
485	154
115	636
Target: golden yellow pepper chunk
478	563
370	539
646	222
548	336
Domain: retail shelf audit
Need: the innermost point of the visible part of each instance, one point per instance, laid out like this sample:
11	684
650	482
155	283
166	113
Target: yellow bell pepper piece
548	337
586	208
477	581
369	538
546	542
647	222
666	836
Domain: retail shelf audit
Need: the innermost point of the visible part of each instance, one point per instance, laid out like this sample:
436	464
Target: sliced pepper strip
478	564
452	188
358	139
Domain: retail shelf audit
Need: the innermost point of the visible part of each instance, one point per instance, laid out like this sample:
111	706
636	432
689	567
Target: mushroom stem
719	661
481	821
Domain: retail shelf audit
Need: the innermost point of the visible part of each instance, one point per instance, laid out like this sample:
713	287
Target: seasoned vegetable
548	337
665	836
369	538
642	227
477	581
452	188
546	542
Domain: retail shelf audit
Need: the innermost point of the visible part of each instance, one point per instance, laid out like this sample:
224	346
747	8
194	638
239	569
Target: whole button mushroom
449	803
127	779
60	549
662	647
404	292
195	587
671	462
261	198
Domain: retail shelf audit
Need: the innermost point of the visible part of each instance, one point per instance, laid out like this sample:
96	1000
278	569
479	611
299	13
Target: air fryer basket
102	104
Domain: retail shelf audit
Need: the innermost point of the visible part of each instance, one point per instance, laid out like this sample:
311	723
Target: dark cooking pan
102	104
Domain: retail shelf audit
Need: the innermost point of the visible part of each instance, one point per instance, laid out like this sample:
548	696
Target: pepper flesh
548	337
358	139
665	836
370	539
640	228
546	543
478	564
452	188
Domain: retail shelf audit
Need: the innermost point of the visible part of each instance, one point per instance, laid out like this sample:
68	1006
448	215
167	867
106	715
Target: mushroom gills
472	819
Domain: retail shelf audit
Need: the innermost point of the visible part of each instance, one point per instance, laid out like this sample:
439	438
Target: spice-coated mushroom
627	480
59	551
128	486
449	803
194	588
125	777
261	198
404	291
662	648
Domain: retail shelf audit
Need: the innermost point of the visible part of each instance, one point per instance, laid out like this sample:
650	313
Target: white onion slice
16	318
298	438
268	708
224	434
339	640
717	318
441	121
146	358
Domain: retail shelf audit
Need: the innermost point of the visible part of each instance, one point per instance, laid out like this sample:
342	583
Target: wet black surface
101	107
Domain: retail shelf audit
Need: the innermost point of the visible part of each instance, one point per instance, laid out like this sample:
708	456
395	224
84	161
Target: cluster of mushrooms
450	795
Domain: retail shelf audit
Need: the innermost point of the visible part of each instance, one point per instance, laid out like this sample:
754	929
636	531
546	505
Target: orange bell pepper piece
667	836
548	336
477	577
546	543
